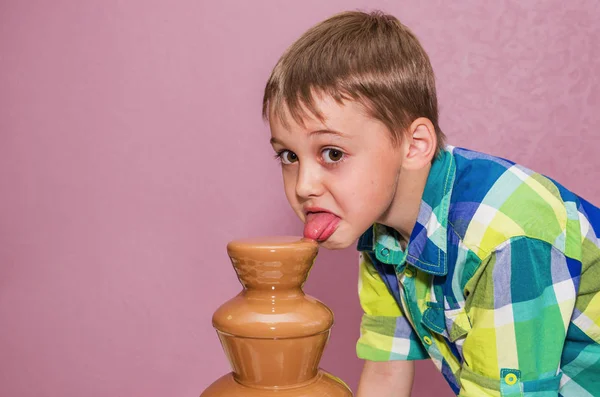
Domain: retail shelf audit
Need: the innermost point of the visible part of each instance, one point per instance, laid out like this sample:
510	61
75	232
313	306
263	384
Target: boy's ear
421	144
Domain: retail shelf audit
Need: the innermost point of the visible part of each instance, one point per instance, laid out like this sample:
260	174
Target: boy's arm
386	379
519	312
387	341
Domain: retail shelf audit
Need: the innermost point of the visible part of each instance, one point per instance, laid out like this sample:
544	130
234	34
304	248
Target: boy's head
370	58
353	115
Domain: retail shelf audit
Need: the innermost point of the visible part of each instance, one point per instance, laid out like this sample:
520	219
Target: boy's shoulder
494	200
477	203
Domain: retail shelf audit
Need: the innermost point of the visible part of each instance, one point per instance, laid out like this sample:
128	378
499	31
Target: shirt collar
427	245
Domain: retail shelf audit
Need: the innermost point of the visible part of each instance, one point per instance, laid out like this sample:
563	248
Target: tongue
320	225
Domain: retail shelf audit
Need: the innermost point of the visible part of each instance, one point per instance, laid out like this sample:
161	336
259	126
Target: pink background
132	150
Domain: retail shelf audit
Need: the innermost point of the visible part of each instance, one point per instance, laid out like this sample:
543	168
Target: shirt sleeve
519	306
385	334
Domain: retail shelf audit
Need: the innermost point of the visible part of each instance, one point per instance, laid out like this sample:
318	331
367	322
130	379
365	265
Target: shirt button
510	379
385	252
408	272
427	341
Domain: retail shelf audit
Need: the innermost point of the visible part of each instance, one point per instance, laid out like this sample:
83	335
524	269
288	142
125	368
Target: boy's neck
403	212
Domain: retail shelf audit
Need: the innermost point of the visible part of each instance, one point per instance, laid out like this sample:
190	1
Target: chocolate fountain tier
272	304
323	385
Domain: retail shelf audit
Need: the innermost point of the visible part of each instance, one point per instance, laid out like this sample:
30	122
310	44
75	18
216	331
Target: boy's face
340	176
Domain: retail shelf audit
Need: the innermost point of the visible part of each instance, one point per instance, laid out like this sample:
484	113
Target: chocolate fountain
272	333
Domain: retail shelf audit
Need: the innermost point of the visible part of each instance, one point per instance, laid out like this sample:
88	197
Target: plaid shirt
499	283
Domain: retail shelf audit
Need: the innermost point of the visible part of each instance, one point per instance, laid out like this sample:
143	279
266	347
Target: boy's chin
336	243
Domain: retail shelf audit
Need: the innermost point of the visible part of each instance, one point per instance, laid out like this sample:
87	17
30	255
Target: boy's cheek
288	183
290	195
290	198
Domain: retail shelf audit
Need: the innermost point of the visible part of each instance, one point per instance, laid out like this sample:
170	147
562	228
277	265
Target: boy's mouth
320	225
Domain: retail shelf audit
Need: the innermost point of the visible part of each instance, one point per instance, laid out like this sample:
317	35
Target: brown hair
368	57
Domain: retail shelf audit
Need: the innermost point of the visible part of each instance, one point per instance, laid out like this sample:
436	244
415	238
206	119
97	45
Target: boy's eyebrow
275	141
316	132
332	132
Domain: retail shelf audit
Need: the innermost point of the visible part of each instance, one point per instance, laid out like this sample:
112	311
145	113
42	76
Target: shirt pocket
453	324
458	324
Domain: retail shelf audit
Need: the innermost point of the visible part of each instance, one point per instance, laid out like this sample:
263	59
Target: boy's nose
309	182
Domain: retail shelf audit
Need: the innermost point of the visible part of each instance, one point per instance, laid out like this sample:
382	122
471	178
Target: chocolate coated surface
271	332
323	385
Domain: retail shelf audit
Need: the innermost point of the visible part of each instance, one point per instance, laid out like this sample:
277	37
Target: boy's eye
332	155
288	157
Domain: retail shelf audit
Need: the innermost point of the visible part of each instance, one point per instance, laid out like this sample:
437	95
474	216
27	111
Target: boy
486	267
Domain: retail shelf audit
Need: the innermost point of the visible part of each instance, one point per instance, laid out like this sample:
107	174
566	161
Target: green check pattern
498	285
